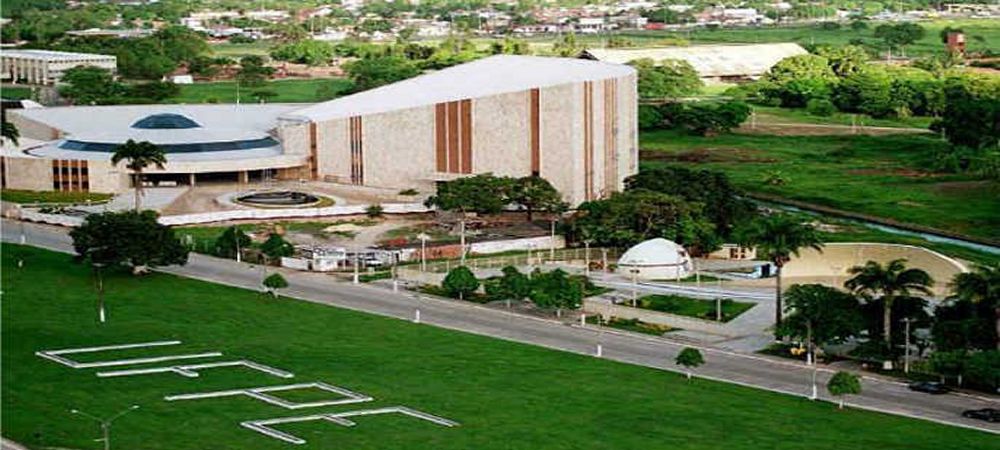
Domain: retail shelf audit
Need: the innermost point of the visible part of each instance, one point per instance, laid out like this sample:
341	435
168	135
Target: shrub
374	211
842	384
820	107
460	282
276	246
409	191
649	117
273	282
706	118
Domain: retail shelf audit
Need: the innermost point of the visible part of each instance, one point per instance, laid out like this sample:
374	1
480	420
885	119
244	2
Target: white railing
241	214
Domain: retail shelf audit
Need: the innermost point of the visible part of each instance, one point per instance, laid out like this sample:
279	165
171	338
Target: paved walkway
756	371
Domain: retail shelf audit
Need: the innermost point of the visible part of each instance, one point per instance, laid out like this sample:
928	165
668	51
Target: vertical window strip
441	136
465	158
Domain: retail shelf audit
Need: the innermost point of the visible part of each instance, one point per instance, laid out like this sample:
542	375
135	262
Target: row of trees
881	298
553	290
490	194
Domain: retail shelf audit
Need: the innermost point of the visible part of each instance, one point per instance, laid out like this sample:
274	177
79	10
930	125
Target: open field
287	91
885	176
15	93
772	114
980	35
505	395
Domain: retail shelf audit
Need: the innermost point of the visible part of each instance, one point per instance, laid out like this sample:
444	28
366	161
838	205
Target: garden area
502	393
693	307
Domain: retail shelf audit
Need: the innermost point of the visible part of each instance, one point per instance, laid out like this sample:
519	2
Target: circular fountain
279	199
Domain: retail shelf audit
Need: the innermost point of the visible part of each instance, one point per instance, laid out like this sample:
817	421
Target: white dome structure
655	259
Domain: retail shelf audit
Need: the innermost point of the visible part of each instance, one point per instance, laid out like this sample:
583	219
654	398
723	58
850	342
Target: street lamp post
106	423
423	251
462	228
586	257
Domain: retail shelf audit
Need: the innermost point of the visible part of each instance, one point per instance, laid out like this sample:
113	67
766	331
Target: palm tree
777	238
982	285
139	155
892	280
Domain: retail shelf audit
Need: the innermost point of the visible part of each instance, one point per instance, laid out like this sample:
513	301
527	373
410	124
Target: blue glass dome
165	122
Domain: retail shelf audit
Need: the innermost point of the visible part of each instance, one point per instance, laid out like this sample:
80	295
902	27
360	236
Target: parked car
930	387
991	415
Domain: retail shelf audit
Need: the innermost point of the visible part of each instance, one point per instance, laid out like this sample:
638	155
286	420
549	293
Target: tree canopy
368	73
668	78
721	200
825	314
129	238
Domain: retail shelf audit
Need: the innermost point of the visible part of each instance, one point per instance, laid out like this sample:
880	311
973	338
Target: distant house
714	63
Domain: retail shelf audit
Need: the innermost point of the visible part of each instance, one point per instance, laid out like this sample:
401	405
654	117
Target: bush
374	211
706	118
273	282
409	191
649	118
820	107
276	246
460	282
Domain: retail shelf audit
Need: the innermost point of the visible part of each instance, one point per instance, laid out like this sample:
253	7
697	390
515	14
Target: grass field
883	176
23	197
773	114
693	307
288	91
505	395
15	93
980	35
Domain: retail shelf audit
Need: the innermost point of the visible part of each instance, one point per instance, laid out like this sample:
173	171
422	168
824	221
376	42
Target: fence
599	258
239	214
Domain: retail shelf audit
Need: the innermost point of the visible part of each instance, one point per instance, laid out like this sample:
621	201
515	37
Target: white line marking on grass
264	426
191	370
56	355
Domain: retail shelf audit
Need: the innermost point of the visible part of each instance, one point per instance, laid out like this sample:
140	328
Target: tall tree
778	237
981	286
131	238
723	202
820	315
887	282
535	193
139	156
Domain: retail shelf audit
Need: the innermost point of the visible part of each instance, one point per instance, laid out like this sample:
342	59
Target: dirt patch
964	187
707	155
899	172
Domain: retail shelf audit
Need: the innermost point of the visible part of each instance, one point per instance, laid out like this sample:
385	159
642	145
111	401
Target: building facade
570	121
46	66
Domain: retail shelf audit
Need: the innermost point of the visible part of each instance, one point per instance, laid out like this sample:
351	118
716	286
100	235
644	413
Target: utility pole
462	228
105	423
423	251
586	258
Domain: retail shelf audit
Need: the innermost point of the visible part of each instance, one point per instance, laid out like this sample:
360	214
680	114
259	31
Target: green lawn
20	196
884	176
505	395
288	91
258	48
772	114
693	307
15	93
980	35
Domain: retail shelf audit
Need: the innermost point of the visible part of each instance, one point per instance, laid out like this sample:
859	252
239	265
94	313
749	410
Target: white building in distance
47	66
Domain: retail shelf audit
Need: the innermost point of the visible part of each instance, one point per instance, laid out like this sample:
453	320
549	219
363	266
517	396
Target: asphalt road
774	374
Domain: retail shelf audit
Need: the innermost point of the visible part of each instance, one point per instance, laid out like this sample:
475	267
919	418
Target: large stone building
570	121
47	66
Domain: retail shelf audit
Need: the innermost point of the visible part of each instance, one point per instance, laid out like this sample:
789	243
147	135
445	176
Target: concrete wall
27	173
399	146
831	266
107	178
32	129
501	134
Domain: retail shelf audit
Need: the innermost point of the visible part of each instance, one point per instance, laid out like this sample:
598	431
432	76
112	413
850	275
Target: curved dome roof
656	251
165	121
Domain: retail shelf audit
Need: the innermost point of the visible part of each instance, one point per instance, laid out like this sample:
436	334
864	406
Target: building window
453	136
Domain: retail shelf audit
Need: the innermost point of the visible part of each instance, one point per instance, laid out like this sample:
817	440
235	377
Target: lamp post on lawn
106	423
586	257
98	280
